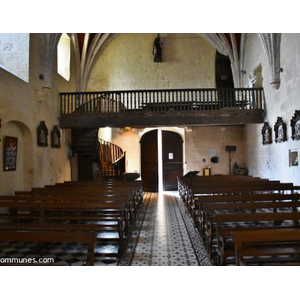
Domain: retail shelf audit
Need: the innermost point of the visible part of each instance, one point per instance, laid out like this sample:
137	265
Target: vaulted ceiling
88	45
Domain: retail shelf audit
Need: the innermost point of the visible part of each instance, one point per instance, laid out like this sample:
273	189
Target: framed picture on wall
293	158
10	153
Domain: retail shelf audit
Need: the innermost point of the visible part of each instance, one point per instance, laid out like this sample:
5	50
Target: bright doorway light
160	161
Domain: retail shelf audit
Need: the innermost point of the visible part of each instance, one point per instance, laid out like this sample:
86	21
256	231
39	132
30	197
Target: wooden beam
168	118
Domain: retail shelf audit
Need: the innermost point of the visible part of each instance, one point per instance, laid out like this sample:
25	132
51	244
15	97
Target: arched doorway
161	153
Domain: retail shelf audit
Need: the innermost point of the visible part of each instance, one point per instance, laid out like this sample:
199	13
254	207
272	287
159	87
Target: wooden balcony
182	107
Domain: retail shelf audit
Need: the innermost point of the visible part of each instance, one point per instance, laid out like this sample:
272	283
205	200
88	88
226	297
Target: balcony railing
161	100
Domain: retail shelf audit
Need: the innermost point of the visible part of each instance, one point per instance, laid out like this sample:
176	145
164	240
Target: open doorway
161	160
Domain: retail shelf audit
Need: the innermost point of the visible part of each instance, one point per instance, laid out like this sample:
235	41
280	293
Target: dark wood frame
295	124
10	153
293	158
280	130
266	134
55	137
42	134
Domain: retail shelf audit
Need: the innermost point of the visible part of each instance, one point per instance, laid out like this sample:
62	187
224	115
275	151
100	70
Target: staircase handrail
116	166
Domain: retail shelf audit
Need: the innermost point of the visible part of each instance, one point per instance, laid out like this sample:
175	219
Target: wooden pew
42	236
103	208
218	179
133	184
260	247
219	200
267	203
93	191
221	184
130	203
244	188
113	189
194	205
192	197
73	208
223	193
100	217
227	224
116	192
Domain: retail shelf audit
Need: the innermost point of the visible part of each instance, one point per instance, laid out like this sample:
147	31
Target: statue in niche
266	134
157	48
295	124
55	137
297	129
280	131
42	134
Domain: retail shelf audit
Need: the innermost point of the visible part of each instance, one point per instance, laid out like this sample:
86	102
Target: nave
166	236
163	235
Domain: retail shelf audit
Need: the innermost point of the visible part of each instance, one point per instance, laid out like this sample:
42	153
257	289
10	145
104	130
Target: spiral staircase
111	160
97	159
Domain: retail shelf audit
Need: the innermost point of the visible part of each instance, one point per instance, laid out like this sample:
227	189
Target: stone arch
23	177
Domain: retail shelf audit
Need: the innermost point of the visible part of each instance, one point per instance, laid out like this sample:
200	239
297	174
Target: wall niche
266	134
295	124
280	130
42	134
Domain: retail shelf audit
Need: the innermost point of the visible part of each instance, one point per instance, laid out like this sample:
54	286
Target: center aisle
167	236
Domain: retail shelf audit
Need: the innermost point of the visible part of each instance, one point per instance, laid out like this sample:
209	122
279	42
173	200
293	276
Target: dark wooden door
149	161
224	78
172	156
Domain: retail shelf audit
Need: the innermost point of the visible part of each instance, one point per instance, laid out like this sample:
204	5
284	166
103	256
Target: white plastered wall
272	161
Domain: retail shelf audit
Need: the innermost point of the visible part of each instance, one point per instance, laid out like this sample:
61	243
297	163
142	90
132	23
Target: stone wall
272	161
23	105
126	63
203	143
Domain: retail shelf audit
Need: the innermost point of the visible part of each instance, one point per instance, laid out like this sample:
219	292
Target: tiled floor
163	235
165	239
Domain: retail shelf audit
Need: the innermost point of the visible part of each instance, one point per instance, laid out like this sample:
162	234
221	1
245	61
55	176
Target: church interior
32	89
144	116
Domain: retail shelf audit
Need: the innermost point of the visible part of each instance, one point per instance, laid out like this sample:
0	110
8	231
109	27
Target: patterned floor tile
165	238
